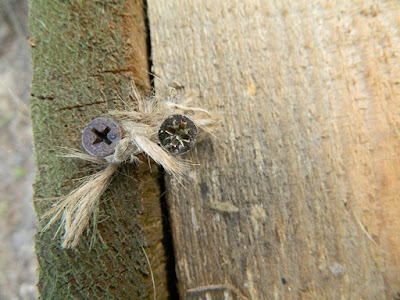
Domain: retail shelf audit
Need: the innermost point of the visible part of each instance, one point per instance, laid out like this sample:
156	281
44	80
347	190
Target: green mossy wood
85	56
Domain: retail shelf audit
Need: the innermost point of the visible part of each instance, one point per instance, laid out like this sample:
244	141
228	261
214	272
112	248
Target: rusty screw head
178	134
100	137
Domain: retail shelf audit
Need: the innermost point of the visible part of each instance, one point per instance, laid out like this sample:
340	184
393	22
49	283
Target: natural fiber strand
151	274
140	125
77	208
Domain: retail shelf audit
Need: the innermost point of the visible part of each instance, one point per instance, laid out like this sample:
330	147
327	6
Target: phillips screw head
178	134
100	137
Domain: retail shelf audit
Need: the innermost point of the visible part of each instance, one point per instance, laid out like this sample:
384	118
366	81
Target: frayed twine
140	125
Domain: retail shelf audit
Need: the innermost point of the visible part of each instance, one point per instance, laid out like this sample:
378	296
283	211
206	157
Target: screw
178	134
100	137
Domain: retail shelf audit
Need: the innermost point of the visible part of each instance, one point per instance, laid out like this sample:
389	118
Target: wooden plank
85	56
299	196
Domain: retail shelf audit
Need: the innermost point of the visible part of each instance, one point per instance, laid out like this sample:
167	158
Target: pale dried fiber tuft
140	124
76	209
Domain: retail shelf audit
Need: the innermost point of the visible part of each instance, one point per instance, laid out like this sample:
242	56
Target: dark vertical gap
166	224
167	239
148	42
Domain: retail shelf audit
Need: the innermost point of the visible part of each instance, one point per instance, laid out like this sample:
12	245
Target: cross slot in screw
101	136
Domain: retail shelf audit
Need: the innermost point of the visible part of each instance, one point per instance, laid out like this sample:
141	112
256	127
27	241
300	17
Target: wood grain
299	196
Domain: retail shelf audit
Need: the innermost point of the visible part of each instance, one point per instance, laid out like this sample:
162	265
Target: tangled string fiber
140	125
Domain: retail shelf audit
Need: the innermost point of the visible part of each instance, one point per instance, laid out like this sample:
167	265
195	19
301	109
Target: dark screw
178	134
100	137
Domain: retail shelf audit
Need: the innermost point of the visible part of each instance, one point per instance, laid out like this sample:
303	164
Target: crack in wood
83	105
117	71
42	97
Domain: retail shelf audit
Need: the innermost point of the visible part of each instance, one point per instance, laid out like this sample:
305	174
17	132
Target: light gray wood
298	198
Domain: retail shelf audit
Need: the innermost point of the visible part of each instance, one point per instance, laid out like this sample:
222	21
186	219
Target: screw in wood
178	134
100	137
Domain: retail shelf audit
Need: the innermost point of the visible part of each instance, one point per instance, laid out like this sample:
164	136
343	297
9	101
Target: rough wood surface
85	55
299	197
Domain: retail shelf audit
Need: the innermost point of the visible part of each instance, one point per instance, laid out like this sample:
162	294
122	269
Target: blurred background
17	218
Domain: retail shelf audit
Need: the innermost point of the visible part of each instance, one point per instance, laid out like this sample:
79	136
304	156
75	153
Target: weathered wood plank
308	152
85	56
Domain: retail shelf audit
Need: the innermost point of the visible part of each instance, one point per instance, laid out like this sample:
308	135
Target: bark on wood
299	196
85	55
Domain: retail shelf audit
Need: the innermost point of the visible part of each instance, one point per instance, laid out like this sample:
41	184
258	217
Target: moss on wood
85	55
